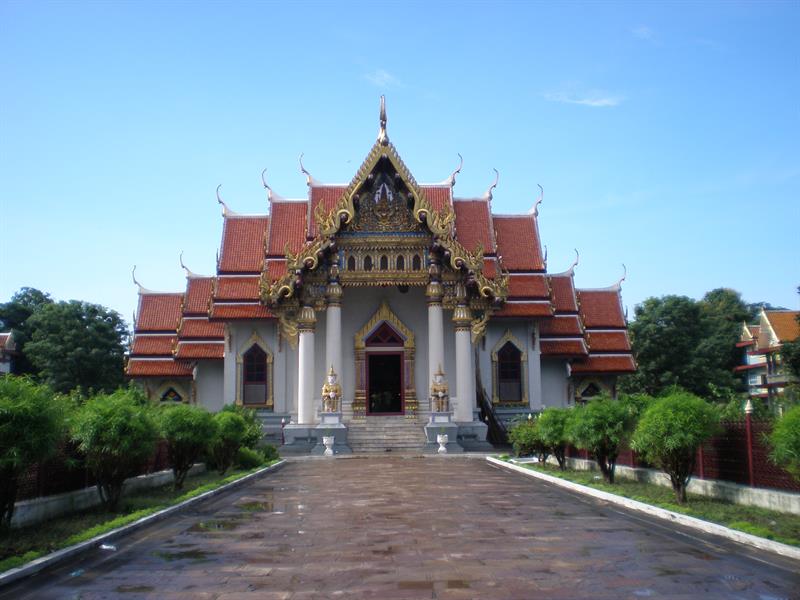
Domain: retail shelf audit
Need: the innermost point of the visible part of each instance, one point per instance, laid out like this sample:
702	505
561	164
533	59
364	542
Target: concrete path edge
661	513
58	556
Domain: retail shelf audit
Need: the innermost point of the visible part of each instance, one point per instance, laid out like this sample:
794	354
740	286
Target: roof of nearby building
784	324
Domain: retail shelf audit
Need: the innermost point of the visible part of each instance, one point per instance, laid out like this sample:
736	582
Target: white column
465	375
306	384
333	327
535	369
435	339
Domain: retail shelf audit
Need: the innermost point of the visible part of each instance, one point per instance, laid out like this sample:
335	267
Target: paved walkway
412	528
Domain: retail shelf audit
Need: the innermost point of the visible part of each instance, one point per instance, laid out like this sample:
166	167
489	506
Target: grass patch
780	527
19	546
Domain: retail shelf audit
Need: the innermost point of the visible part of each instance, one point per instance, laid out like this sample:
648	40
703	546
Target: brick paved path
412	528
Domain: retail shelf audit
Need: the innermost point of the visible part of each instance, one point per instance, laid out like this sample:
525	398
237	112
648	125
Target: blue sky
665	135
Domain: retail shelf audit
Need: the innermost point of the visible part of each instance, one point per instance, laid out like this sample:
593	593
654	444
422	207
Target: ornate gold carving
331	392
440	392
384	313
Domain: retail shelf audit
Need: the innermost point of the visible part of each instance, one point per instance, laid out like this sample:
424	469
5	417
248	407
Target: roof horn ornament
618	284
574	262
545	256
535	210
382	137
271	195
225	210
451	181
488	194
184	267
310	181
142	289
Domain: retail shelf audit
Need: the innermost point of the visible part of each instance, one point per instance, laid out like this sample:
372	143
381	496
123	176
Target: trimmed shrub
117	433
552	432
31	426
249	459
253	430
785	441
270	452
670	432
187	430
231	430
602	427
524	436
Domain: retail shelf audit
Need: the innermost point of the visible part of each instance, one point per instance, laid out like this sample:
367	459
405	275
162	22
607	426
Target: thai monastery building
384	281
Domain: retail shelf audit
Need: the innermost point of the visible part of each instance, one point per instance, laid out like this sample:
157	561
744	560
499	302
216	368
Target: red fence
726	457
66	472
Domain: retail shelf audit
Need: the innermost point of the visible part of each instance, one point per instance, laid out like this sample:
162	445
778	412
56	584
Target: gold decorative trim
509	337
255	340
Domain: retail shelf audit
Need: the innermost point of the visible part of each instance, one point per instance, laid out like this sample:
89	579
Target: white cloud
382	78
643	32
594	98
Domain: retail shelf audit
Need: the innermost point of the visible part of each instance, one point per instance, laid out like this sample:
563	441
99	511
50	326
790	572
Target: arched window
416	263
368	263
590	391
351	263
384	263
509	373
171	396
401	263
254	376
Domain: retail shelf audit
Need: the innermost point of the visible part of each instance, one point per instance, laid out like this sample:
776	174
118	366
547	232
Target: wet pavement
396	527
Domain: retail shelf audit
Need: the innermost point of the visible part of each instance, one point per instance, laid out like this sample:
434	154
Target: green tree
601	427
14	316
669	433
231	431
117	433
254	433
31	426
552	431
187	430
77	345
785	442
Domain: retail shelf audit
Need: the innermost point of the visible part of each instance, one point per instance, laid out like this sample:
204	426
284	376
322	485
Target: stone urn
328	441
441	439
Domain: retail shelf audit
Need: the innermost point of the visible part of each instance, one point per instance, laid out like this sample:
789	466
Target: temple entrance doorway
385	383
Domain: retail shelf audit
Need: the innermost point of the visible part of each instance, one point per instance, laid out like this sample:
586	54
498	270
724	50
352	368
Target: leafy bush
231	431
524	436
117	433
187	430
249	459
552	432
785	441
670	432
253	430
31	426
602	427
270	452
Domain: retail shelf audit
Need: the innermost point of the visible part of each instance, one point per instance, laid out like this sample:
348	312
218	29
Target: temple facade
384	282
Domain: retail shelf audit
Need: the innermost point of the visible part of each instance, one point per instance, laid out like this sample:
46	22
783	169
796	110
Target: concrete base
271	425
338	431
472	437
441	417
298	439
434	429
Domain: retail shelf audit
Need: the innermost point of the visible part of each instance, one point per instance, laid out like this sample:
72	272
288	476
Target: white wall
209	385
554	382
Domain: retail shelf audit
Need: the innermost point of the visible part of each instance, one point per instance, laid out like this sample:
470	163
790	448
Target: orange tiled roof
473	224
237	288
605	363
276	268
201	329
239	310
200	350
525	309
563	347
4	337
287	226
138	367
153	345
564	297
327	195
784	324
198	295
528	286
518	242
243	244
601	308
608	341
560	326
159	312
438	195
490	267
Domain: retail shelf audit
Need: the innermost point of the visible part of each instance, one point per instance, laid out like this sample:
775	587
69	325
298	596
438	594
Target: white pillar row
333	325
465	376
535	368
306	388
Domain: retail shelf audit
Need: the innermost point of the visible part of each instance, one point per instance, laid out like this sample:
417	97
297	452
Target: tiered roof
587	326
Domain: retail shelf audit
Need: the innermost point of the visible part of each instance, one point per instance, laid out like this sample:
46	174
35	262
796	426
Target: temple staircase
386	434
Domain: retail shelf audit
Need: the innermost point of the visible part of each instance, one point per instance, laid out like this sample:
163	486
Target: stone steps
384	434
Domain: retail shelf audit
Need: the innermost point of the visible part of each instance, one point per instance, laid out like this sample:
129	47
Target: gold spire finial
382	137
